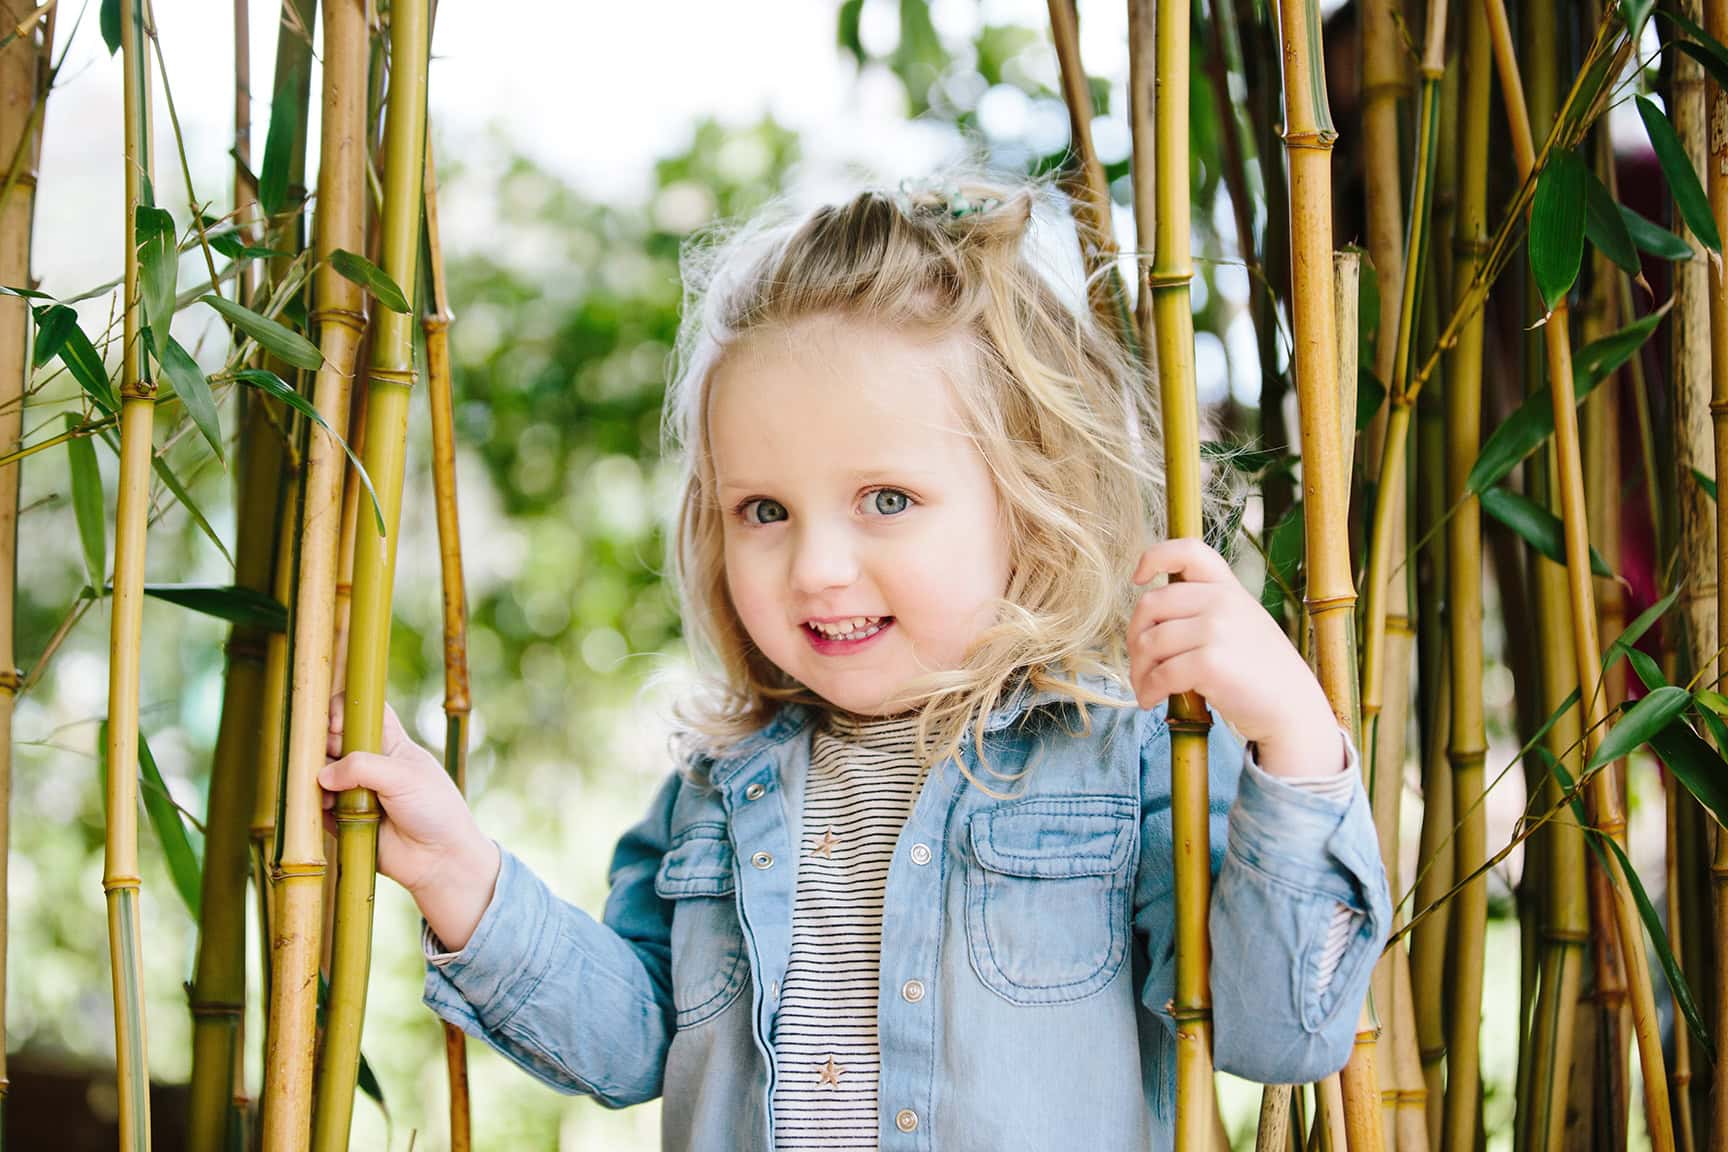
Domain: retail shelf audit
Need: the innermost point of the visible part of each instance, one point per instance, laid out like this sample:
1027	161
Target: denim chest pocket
709	966
1047	896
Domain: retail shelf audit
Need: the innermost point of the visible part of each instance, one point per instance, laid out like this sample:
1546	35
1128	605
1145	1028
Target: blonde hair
1059	410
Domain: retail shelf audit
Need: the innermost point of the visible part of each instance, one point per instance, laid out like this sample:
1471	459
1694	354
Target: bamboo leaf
1536	526
1712	61
274	385
54	323
1646	669
1696	765
1659	940
1657	241
370	277
1557	226
1642	721
1633	13
281	342
1634	631
1714	701
1708	483
183	864
87	506
68	342
110	21
194	391
1711	721
1526	429
232	603
159	260
1606	227
1681	176
1370	394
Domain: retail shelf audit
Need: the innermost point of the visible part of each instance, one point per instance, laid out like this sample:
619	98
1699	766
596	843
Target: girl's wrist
455	899
1303	752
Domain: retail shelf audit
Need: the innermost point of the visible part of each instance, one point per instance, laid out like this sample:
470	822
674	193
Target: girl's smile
864	543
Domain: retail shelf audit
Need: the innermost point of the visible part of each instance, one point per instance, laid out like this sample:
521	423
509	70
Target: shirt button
912	991
762	860
920	853
906	1120
755	792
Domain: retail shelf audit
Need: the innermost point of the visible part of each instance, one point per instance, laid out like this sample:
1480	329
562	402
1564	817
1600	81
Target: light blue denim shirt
1040	928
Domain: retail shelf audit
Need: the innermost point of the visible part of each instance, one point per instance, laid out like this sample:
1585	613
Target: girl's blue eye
767	512
890	501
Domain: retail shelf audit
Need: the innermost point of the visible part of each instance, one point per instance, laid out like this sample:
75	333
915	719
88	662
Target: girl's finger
382	774
1170	602
1171	638
1185	672
1186	556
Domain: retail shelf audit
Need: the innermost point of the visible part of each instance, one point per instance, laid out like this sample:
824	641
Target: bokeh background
577	146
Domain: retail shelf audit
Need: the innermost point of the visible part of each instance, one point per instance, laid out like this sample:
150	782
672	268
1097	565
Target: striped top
863	781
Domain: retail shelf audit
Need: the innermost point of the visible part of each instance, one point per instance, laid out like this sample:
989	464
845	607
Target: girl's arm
583	1005
1296	877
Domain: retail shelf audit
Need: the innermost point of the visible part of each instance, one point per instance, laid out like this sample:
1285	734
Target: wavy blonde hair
1060	411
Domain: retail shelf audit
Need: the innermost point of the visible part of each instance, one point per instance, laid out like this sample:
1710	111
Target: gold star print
831	1073
825	846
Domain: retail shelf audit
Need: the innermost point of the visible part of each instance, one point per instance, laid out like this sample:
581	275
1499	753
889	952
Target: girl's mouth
846	635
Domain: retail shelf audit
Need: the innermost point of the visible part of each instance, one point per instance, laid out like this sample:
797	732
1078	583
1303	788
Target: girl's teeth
857	628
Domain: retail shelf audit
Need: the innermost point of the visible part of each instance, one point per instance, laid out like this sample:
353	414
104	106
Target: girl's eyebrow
861	476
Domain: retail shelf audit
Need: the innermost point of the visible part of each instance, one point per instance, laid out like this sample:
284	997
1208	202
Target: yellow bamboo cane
1330	596
298	874
1604	801
1716	23
457	702
23	72
120	878
392	379
1172	324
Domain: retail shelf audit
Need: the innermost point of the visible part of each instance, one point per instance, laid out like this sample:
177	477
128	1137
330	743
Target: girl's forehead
838	395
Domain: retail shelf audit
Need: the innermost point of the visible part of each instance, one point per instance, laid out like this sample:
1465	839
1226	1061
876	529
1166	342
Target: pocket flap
699	864
1055	837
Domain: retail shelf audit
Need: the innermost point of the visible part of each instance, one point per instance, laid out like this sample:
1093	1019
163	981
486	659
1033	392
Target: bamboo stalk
457	702
218	996
1086	186
120	879
299	866
1716	23
392	378
23	87
1604	802
1172	318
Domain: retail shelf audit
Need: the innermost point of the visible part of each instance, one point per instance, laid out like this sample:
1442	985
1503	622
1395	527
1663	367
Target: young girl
911	887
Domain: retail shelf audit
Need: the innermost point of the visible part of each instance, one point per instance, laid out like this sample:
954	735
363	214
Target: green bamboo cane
218	995
120	878
23	76
435	322
392	379
1716	22
1604	802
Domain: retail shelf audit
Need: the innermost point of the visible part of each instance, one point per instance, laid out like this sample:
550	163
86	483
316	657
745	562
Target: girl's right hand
428	841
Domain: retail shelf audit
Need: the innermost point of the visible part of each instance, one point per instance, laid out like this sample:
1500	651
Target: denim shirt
1040	928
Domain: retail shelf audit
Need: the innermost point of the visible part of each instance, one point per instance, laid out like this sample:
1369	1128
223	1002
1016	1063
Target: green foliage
1557	226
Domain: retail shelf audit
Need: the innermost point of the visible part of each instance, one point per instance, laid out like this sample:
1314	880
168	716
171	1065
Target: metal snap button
906	1120
762	860
755	792
920	853
912	991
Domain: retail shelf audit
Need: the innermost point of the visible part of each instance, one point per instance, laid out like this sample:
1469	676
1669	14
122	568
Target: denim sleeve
1283	860
583	1005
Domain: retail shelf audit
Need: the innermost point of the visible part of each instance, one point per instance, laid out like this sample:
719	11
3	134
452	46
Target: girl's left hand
1206	634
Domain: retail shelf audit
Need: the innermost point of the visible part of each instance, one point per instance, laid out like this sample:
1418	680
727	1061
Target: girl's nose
822	559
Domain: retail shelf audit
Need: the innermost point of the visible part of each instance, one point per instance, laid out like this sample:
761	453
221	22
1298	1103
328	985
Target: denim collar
793	718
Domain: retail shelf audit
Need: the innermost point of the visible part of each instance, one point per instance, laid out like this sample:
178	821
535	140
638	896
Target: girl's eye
767	511
889	501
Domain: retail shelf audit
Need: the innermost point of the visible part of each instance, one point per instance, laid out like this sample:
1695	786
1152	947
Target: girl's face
864	541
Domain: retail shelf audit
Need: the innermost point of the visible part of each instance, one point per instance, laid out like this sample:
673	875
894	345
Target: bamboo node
1182	726
246	646
1566	936
216	1008
11	679
402	376
300	869
1156	280
1200	1014
120	882
348	318
1319	605
1719	407
1432	1055
1319	139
